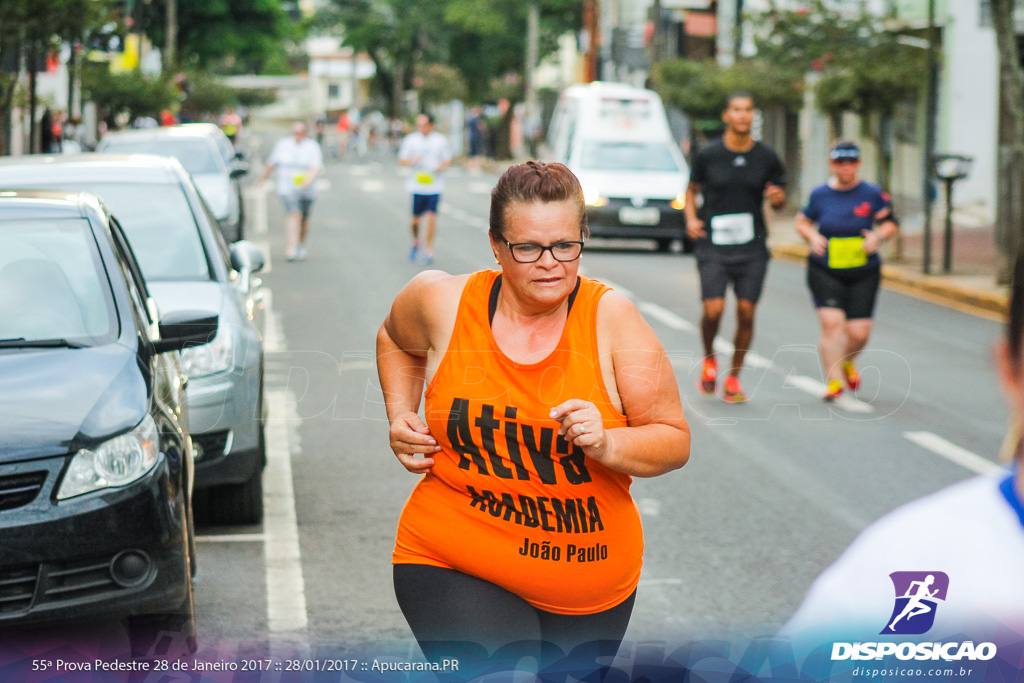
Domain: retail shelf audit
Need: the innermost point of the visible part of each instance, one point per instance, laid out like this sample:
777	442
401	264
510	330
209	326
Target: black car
189	267
95	459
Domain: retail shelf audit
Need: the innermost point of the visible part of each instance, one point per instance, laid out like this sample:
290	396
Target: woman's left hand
582	425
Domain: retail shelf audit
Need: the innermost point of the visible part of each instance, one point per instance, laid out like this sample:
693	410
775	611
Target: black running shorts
746	272
854	291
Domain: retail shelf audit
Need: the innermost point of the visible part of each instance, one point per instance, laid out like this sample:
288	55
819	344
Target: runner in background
298	161
231	124
427	152
733	176
844	269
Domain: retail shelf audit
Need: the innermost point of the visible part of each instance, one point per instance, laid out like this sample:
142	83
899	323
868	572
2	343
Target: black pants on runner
457	616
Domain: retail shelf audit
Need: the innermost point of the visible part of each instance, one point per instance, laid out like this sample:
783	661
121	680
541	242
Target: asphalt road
775	489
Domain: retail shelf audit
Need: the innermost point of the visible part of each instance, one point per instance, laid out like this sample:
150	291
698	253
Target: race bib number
424	178
732	228
846	252
298	179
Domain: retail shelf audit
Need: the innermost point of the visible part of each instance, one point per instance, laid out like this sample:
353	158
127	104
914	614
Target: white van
617	141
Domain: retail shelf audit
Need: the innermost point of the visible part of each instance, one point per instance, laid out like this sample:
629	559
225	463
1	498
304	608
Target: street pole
947	246
929	140
171	19
532	117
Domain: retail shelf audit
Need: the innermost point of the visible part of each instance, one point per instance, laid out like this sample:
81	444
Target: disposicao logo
918	595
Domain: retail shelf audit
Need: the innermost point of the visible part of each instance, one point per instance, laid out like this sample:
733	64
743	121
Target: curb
929	287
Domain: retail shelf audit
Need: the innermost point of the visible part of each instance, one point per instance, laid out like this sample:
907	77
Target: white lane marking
372	186
232	538
649	507
816	388
264	246
287	620
666	317
322	184
480	188
273	334
950	451
752	359
358	170
258	195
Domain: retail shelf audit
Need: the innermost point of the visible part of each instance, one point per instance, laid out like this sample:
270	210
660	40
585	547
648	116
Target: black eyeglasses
530	252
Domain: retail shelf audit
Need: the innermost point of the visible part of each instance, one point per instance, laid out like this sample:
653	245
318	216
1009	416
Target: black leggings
454	615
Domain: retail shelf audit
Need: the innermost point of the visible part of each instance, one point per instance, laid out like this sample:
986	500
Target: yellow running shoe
851	375
835	390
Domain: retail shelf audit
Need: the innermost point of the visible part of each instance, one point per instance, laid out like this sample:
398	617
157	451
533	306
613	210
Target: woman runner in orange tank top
546	393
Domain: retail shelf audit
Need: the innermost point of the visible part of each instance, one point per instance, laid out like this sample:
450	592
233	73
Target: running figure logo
917	598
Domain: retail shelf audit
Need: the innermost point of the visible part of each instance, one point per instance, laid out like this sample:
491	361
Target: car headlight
679	203
592	197
208	359
115	462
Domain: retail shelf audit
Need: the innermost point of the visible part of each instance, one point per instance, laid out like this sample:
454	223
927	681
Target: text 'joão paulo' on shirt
732	186
508	500
842	216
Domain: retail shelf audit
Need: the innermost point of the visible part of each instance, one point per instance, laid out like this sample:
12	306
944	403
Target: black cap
844	150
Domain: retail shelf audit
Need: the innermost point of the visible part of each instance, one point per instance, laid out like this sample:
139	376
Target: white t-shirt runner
294	160
432	151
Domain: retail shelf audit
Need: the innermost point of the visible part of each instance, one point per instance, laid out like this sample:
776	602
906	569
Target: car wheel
664	246
238	503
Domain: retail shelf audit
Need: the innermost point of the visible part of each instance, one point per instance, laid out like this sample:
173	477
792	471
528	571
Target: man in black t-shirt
733	176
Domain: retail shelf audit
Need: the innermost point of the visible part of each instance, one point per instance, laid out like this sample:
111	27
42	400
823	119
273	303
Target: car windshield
628	156
53	285
197	156
159	223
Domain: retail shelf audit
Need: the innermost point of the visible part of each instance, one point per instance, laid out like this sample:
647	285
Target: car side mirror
182	329
246	257
240	155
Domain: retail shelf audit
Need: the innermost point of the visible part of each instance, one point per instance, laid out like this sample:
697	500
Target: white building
336	81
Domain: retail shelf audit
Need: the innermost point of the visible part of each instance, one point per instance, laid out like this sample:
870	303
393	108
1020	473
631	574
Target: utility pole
592	26
171	18
931	113
532	37
1010	190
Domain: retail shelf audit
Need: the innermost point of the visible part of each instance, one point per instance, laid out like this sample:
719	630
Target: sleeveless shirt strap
492	303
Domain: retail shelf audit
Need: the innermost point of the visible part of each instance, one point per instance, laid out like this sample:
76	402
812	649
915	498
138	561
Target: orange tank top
508	500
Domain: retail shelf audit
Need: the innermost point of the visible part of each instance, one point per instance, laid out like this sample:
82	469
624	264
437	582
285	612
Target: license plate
630	215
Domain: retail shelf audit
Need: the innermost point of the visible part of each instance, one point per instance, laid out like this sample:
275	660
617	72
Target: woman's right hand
409	435
695	229
819	243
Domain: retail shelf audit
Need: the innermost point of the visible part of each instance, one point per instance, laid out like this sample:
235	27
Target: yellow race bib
424	178
846	252
299	178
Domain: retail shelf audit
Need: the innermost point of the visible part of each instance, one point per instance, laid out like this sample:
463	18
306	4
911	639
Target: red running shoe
733	392
709	376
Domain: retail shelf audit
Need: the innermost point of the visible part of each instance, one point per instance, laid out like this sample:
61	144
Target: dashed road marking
372	186
950	451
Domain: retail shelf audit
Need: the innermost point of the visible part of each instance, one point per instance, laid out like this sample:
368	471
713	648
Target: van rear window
628	156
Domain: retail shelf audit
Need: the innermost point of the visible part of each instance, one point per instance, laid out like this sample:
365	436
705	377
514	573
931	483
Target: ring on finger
580	429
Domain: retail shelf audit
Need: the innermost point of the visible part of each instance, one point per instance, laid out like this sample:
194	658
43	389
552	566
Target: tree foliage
482	39
131	93
234	36
864	68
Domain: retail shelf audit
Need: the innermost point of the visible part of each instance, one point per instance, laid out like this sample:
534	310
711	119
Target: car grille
17	589
663	204
23	587
210	445
17	490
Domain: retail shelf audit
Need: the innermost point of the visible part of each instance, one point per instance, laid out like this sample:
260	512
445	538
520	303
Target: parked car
206	153
188	267
96	467
617	141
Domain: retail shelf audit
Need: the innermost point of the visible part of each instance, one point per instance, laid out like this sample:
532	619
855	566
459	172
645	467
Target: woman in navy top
845	221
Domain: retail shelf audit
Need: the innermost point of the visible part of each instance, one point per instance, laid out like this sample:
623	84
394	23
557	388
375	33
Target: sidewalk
971	286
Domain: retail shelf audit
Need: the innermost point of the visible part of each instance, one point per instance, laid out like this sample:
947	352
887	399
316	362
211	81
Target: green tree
132	93
233	36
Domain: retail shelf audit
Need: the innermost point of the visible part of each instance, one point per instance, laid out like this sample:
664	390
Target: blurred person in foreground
298	161
969	538
546	392
734	176
427	152
844	268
